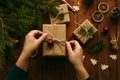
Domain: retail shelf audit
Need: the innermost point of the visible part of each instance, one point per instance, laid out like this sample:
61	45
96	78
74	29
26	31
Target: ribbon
59	44
86	34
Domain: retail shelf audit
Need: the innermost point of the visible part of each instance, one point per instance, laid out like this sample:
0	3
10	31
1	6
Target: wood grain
59	68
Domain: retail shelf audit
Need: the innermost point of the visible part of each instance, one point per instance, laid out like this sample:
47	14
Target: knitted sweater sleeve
88	78
16	74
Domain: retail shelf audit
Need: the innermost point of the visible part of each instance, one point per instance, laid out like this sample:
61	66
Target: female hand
32	41
75	54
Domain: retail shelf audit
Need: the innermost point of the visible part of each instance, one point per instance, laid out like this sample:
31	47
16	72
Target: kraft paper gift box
85	31
63	8
56	32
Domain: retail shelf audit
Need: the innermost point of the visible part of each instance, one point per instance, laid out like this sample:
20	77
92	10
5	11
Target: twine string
86	33
60	12
2	25
59	43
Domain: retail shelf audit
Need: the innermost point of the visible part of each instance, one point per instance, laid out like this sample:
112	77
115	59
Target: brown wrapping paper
63	8
56	32
86	25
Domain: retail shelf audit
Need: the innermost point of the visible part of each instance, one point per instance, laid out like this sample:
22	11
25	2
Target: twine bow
59	43
85	33
114	41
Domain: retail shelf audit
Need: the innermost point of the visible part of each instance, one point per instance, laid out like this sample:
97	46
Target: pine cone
115	13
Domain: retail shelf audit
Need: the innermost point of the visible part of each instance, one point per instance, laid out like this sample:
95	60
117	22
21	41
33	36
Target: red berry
105	29
50	42
17	41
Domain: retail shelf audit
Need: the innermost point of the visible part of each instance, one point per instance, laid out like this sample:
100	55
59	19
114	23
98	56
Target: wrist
78	65
25	55
23	62
82	71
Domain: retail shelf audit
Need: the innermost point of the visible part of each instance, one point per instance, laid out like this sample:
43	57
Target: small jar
115	13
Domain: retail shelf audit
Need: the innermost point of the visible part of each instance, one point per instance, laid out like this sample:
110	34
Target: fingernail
45	34
67	42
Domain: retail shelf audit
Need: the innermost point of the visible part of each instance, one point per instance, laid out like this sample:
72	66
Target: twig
58	15
69	5
2	29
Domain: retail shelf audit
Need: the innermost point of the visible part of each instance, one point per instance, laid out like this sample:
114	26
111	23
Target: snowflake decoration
104	67
76	8
93	61
113	57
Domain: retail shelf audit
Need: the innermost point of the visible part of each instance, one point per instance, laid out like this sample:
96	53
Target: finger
69	48
77	45
43	36
34	32
38	35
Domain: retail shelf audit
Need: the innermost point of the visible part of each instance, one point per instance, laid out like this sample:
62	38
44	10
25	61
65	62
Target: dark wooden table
59	68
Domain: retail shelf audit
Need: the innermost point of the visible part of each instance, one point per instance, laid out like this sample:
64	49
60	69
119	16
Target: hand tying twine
59	43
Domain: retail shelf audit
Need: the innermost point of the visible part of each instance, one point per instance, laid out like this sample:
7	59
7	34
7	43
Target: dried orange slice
103	7
97	16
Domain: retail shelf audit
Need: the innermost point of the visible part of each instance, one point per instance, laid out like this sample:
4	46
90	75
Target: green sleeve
88	78
17	74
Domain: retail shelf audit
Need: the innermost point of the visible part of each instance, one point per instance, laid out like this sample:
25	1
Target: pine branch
96	47
2	58
20	17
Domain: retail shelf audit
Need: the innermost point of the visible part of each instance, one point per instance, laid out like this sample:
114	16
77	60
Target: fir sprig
96	47
81	31
90	32
20	17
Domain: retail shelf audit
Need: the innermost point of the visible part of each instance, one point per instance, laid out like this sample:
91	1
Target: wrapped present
85	31
54	44
62	15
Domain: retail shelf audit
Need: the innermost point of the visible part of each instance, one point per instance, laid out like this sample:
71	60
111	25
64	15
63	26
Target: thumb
69	48
42	37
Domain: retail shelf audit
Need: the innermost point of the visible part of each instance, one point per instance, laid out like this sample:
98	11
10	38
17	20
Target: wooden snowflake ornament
93	61
104	67
76	8
113	57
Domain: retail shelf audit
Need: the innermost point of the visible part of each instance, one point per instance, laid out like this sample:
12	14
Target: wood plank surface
104	55
59	68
